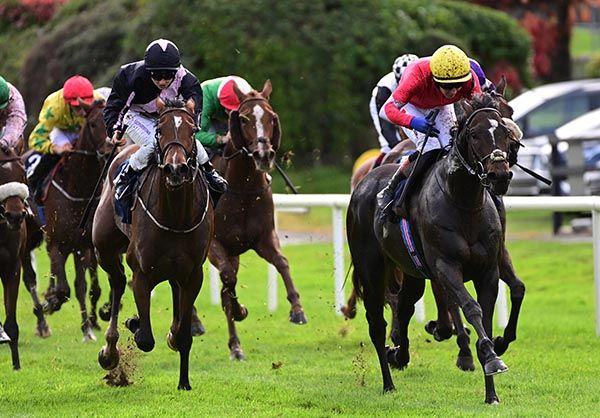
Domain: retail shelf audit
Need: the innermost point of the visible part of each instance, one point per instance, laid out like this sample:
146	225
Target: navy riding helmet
162	54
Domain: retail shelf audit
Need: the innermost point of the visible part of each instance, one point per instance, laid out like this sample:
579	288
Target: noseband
261	140
496	156
161	151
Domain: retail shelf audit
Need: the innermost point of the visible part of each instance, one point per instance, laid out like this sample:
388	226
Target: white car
540	112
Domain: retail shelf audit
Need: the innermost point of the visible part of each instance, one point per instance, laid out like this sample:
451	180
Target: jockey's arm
388	130
115	103
207	137
16	120
39	139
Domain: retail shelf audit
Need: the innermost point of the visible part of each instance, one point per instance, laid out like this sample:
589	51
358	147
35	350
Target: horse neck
464	188
81	171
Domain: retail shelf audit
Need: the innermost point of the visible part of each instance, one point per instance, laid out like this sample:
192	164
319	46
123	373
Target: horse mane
174	103
478	101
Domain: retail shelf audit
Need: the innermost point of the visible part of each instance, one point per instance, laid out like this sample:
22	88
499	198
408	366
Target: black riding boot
385	198
4	338
125	184
36	179
214	179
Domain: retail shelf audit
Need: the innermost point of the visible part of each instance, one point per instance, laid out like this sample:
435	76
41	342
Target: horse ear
467	108
276	139
190	105
160	104
501	86
235	129
83	104
267	89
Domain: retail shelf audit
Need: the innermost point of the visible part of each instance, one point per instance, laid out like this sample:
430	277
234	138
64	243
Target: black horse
456	229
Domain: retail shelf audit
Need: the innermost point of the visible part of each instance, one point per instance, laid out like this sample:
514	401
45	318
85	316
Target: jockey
486	85
12	116
387	133
58	127
218	101
134	91
435	82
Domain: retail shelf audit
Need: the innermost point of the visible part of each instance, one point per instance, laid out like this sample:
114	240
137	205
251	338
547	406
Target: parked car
540	112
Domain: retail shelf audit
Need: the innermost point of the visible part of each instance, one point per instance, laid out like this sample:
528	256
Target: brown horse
13	210
171	227
70	189
244	217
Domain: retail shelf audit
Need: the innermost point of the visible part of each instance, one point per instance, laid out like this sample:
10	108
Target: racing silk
134	78
417	87
387	133
55	113
13	118
484	83
214	119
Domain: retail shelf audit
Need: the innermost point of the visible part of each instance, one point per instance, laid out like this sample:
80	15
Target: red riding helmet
227	97
78	87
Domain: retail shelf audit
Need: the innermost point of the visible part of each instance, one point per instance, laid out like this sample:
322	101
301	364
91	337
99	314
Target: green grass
327	367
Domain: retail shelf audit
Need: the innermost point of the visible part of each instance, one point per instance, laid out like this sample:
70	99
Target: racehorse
171	226
13	233
445	325
457	232
70	188
244	217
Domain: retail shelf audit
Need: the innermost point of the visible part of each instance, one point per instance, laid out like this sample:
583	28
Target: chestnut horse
458	234
171	226
69	191
244	217
13	233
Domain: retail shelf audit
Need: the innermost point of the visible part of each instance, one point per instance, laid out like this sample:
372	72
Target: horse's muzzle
499	181
14	218
177	174
263	155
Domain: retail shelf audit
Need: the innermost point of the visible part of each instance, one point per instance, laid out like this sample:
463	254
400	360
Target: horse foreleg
171	339
187	295
270	250
197	326
10	282
143	330
441	329
464	361
29	279
517	294
95	290
79	259
108	357
60	293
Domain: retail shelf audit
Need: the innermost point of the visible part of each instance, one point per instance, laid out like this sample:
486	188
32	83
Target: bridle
244	151
87	133
176	142
477	168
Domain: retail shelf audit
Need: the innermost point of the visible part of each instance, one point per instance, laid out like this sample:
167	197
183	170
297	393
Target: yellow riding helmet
449	64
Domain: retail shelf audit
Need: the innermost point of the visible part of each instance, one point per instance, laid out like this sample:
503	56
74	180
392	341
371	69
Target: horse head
482	147
92	140
175	141
255	127
13	188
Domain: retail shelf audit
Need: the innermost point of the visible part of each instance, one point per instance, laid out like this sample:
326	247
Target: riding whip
430	118
534	174
285	177
121	128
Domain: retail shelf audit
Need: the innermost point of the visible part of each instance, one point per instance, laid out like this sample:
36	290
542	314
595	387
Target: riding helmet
78	87
401	63
227	96
449	64
4	93
162	54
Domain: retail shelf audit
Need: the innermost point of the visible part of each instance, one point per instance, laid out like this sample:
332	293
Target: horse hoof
144	343
88	336
389	388
237	354
500	345
494	366
349	313
197	328
298	318
430	327
465	363
240	314
106	362
171	342
396	359
43	330
132	324
492	400
184	386
104	312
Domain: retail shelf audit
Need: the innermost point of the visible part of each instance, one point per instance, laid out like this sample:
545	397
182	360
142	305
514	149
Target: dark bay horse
457	231
70	189
244	217
443	327
168	239
13	234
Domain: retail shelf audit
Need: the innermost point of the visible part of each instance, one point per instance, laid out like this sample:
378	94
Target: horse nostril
183	169
492	176
510	175
271	155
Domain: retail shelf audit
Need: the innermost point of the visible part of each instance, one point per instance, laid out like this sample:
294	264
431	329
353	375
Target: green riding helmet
4	93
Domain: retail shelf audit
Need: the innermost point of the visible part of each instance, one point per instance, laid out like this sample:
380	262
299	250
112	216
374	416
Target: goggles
450	86
162	74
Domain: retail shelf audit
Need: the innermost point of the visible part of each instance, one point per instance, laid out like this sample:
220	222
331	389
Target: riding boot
125	185
4	338
216	182
386	196
38	179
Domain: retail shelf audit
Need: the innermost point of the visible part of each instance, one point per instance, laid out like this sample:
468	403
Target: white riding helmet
401	63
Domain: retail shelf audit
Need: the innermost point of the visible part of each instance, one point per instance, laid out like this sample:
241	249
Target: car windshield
549	116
